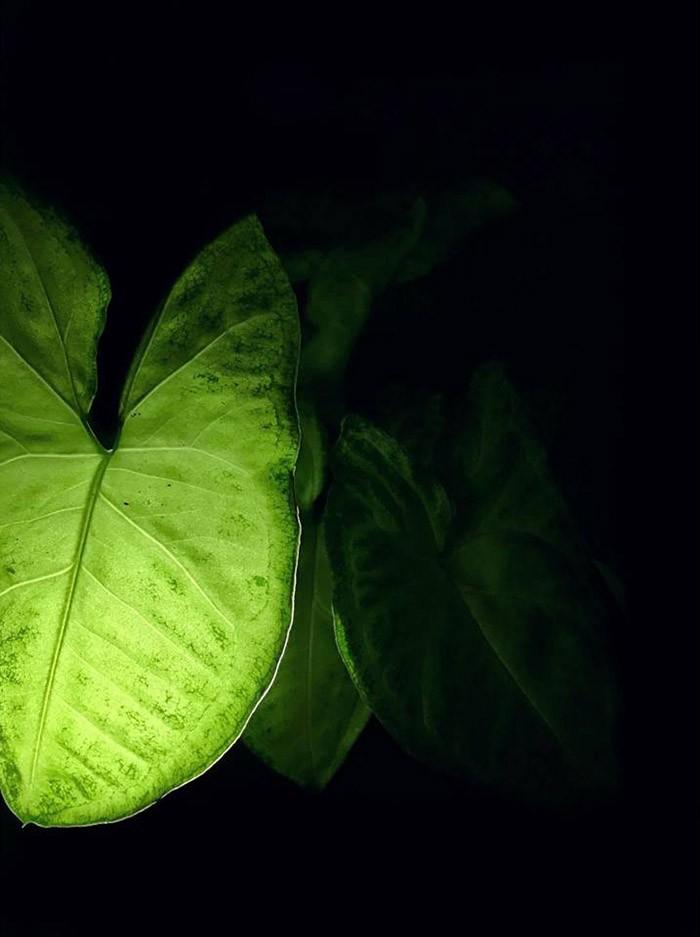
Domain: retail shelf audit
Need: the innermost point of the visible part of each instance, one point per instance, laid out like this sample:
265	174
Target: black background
151	151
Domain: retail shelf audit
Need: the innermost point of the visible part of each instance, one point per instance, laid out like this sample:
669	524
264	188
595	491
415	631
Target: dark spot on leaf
175	585
208	377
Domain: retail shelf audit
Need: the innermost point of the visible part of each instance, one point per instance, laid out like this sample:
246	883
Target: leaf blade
431	635
133	658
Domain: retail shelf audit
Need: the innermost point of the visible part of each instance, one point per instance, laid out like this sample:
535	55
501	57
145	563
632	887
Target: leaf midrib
67	608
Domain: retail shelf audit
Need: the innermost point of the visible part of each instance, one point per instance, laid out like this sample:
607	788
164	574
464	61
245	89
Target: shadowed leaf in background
470	615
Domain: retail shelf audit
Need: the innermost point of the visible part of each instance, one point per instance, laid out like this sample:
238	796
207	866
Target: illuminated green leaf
476	635
145	592
312	715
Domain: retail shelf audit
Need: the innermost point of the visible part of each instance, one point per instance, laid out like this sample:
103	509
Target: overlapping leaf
313	714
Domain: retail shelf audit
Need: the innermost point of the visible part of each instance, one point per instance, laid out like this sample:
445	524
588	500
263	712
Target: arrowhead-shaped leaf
145	592
476	634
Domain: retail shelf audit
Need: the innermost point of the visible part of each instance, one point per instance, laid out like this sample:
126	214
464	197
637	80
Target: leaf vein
218	458
174	559
29	582
103	731
181	648
191	360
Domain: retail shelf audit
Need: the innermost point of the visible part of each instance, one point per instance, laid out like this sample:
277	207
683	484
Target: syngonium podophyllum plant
146	591
439	563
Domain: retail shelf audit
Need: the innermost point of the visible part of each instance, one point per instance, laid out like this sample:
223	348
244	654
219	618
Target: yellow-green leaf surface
145	592
311	717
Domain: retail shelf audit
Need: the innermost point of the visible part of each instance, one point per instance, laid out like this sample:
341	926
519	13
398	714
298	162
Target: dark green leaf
477	638
452	215
300	266
312	715
416	420
341	291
